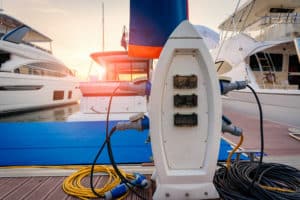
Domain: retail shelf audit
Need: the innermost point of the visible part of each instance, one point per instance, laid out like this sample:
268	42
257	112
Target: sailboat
262	49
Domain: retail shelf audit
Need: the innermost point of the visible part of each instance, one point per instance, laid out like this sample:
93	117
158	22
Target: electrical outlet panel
185	113
185	100
185	82
185	119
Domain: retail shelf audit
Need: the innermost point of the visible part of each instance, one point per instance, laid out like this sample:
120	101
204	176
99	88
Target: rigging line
233	20
251	8
226	31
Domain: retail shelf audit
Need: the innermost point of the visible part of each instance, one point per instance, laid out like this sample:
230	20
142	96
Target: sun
97	73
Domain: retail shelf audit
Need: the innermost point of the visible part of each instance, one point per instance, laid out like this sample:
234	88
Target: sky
75	26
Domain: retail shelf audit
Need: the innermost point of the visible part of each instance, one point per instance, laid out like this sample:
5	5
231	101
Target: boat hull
21	92
278	107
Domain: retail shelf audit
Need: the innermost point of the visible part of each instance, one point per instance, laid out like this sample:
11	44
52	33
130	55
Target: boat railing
281	18
275	27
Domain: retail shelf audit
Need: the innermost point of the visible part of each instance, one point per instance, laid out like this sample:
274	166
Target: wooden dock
47	184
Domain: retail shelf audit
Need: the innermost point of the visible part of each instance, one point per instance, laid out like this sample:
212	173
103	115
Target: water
46	115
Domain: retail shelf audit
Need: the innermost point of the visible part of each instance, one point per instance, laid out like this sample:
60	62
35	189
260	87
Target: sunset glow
98	71
76	26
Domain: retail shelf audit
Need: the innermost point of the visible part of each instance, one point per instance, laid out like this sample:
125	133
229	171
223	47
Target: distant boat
30	76
119	68
263	51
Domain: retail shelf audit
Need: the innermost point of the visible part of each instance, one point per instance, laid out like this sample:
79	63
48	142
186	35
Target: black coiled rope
276	181
246	180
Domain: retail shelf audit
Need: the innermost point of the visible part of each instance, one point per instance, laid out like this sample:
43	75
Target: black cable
110	154
102	146
262	141
92	170
246	180
113	163
233	183
109	149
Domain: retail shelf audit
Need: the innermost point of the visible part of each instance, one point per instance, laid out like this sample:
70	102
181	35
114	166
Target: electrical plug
140	181
229	128
227	86
140	87
139	122
116	192
120	190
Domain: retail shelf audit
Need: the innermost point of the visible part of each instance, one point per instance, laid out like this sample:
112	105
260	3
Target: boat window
253	63
277	61
22	70
294	65
294	70
127	71
25	69
69	94
60	69
281	10
4	56
268	61
36	71
58	95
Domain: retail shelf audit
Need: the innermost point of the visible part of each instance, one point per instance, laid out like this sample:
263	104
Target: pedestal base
185	191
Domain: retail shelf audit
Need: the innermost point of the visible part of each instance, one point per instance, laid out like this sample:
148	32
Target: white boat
30	76
263	51
119	70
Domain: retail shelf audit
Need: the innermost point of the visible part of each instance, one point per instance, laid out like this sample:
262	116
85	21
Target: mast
1	6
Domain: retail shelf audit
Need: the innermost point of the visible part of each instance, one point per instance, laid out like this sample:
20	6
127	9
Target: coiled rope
72	185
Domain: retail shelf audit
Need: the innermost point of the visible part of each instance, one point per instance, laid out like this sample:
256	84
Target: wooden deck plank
3	181
25	188
49	188
11	185
44	189
57	191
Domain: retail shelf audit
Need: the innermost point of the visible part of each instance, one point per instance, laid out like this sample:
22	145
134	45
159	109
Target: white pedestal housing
185	118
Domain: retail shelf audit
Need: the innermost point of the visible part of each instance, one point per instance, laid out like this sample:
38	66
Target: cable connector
227	86
116	192
139	122
139	87
229	128
120	190
140	181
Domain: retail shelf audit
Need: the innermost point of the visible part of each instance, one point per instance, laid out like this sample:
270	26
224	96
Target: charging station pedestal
185	113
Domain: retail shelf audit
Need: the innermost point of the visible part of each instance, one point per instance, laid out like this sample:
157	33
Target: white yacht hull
19	92
277	106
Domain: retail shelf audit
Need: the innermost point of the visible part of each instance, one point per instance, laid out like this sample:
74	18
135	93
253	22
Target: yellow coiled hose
72	184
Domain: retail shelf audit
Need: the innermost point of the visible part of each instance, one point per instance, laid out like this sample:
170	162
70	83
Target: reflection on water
46	115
